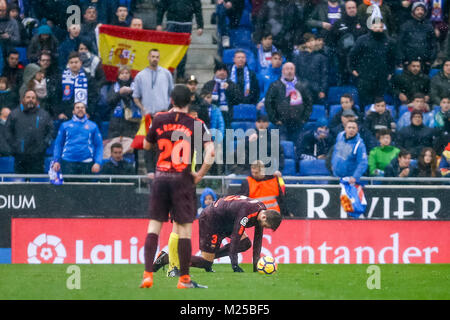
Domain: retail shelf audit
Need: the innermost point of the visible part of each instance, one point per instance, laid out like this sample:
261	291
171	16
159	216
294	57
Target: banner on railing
121	241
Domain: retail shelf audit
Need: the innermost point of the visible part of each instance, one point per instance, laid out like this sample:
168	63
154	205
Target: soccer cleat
173	273
161	260
209	269
147	282
183	284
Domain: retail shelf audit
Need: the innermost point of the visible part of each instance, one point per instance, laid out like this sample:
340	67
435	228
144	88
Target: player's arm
207	162
238	231
147	145
257	244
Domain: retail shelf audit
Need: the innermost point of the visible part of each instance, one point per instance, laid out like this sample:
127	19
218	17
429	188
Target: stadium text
17	202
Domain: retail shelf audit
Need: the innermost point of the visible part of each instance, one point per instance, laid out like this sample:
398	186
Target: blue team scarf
82	120
293	94
262	60
75	87
219	93
246	79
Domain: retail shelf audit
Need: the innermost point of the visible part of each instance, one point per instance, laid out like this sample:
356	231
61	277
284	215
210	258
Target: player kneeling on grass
229	217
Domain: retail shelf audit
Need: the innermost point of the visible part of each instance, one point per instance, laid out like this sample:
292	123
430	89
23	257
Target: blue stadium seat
51	147
241	38
310	125
104	127
6	164
334	109
22	55
403	108
335	93
228	55
314	168
244	112
289	167
318	112
433	72
288	149
244	125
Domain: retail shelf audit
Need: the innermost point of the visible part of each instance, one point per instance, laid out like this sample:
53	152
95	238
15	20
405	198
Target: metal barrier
142	180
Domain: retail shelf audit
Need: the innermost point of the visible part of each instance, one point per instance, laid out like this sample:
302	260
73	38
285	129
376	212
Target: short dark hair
403	152
12	51
379	99
273	218
347	95
73	54
353	120
181	95
266	34
418	95
116	145
153	49
383	132
277	53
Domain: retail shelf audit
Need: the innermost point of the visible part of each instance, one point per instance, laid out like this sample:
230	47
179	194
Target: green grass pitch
291	282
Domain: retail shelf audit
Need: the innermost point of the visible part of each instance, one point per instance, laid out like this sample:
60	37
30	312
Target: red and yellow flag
120	46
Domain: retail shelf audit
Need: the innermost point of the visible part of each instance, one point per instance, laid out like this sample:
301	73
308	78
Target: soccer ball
266	265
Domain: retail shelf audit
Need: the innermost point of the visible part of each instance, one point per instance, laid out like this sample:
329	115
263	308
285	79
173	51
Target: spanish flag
120	46
138	141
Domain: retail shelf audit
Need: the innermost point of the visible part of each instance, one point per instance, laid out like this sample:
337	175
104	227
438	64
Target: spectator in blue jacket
349	158
79	145
269	75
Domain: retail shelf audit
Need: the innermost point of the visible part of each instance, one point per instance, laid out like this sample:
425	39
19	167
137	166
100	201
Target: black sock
199	262
151	244
184	254
224	251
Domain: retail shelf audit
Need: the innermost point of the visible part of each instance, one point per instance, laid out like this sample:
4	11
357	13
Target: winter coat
78	141
278	106
373	58
36	47
439	87
410	84
380	157
180	11
344	33
253	96
312	67
29	132
11	27
415	138
349	157
417	39
320	14
375	121
309	145
283	20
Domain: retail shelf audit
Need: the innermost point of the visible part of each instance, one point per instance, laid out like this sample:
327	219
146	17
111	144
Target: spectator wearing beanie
44	40
417	39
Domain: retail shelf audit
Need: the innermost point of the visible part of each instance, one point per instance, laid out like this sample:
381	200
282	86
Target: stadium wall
121	241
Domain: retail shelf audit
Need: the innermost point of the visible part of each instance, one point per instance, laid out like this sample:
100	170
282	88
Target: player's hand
56	166
159	28
236	268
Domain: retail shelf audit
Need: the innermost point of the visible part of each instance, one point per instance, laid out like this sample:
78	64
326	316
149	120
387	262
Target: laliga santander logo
46	249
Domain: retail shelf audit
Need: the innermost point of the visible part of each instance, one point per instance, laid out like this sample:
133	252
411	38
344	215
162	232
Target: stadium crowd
362	84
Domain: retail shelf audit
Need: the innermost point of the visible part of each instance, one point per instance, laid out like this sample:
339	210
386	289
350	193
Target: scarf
293	94
90	63
264	58
218	94
82	120
436	10
233	78
75	87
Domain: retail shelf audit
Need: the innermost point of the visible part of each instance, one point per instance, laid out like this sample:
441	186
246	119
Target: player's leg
150	246
205	261
244	245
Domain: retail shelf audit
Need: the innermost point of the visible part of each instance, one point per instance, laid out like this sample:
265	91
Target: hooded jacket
349	157
344	33
410	84
207	192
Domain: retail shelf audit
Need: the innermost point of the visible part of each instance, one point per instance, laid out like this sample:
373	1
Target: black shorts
174	194
209	238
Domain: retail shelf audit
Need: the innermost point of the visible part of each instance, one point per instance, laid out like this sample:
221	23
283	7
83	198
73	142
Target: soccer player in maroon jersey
176	135
229	217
